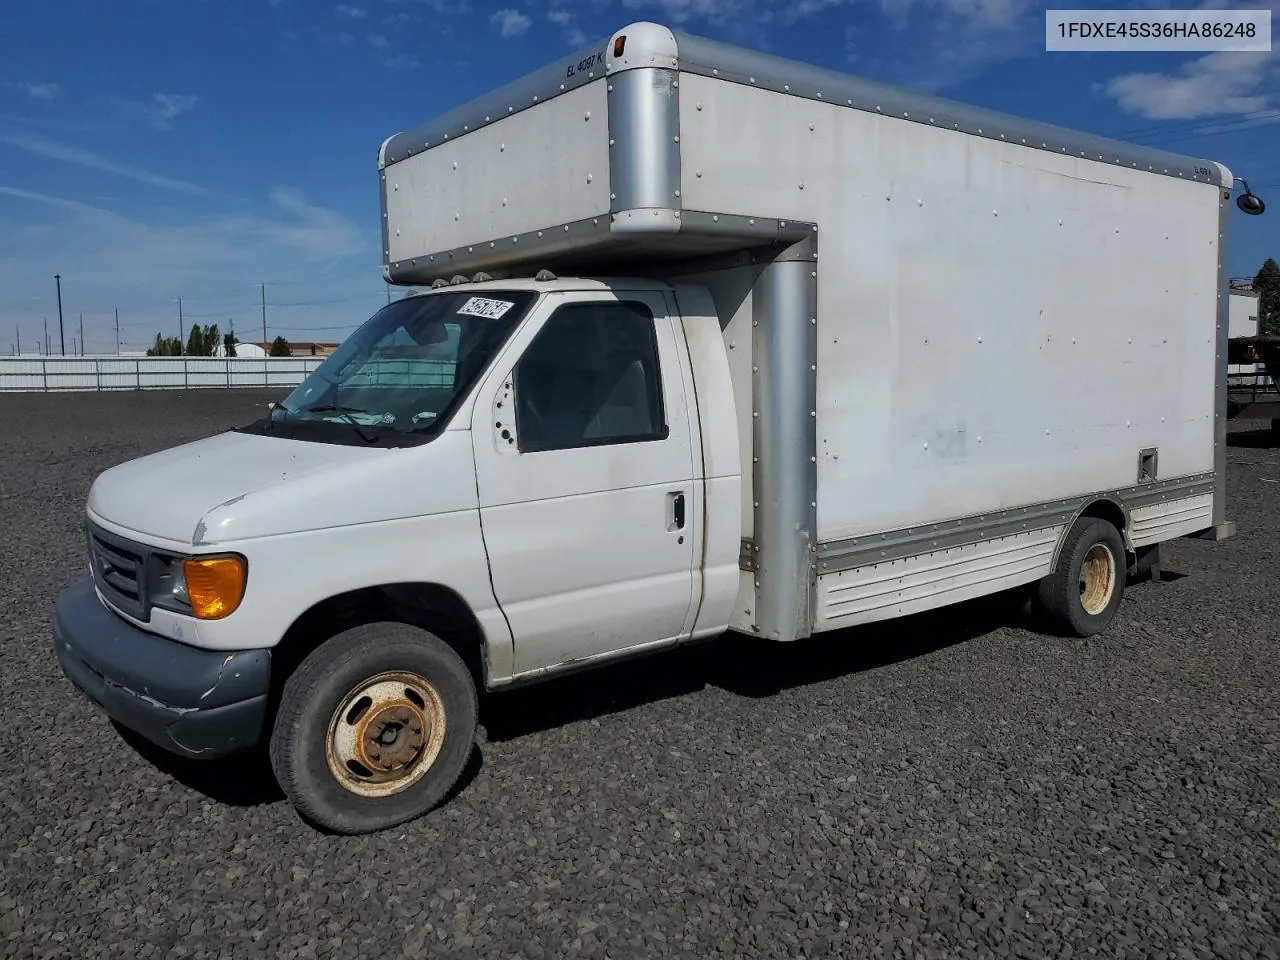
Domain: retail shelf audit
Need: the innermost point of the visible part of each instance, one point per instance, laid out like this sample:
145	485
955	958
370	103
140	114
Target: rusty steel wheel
374	727
1097	579
1083	593
385	734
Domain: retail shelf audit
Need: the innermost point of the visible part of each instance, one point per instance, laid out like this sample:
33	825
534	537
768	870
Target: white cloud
160	110
565	20
1216	84
924	44
510	23
42	147
346	12
402	62
378	40
40	91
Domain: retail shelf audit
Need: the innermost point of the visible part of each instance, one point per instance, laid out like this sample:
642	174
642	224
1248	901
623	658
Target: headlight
207	588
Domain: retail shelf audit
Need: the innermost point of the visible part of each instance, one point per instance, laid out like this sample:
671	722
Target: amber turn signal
619	44
215	585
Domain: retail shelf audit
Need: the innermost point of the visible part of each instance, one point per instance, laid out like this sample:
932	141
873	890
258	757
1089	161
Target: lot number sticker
490	309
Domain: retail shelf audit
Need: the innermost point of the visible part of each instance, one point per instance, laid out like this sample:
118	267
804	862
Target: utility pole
18	331
46	335
264	315
117	331
82	334
180	331
62	337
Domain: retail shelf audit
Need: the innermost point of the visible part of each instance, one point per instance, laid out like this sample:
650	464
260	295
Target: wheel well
426	605
1112	513
1109	511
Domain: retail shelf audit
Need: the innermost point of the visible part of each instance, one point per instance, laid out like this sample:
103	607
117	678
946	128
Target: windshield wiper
346	413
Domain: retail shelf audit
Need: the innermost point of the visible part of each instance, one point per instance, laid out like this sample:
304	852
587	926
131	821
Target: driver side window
591	377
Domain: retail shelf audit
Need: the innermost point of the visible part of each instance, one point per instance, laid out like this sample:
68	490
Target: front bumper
192	702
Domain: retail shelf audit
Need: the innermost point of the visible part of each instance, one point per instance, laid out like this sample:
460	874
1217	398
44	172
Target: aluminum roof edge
725	61
714	58
565	74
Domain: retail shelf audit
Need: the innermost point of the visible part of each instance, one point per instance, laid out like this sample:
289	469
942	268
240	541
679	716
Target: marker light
619	44
215	585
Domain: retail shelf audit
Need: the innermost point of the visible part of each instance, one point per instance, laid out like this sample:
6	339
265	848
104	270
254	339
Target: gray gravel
952	785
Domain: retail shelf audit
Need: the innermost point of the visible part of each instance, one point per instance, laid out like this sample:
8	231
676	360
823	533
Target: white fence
109	372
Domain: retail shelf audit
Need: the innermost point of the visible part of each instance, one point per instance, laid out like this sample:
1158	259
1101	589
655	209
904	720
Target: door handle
675	511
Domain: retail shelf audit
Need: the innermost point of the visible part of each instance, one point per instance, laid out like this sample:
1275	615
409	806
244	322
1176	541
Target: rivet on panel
698	106
752	79
588	116
811	126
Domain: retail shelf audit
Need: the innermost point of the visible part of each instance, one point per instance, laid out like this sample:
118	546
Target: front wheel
374	727
1084	591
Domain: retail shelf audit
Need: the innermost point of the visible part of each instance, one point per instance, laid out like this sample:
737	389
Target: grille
119	570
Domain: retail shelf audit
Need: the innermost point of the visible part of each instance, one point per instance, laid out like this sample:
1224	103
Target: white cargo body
949	331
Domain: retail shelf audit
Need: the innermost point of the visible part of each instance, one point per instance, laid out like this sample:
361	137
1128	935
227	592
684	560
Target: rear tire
1083	593
374	728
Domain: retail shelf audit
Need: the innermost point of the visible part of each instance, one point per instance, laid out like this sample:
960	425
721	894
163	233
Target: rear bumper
192	702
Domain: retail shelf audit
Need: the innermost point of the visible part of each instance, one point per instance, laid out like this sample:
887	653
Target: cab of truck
484	484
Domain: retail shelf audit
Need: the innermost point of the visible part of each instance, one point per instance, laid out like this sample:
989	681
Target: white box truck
713	341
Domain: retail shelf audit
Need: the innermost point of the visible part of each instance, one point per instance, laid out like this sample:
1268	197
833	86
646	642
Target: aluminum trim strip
835	556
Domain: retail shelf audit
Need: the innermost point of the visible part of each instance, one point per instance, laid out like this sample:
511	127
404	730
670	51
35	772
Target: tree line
1267	283
203	341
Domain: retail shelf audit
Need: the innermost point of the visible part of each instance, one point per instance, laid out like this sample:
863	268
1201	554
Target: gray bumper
192	702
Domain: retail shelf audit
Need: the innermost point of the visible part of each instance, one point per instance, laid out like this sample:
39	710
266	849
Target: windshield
402	373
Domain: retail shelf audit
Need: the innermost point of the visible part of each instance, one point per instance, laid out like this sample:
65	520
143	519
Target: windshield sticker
490	309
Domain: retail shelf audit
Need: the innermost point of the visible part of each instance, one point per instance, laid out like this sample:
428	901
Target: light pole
62	338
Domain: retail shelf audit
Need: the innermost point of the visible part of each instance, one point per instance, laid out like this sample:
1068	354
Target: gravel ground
952	785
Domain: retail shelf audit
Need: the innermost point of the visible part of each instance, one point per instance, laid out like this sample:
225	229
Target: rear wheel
374	727
1084	591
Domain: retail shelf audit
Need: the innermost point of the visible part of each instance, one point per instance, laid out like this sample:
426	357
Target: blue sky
193	149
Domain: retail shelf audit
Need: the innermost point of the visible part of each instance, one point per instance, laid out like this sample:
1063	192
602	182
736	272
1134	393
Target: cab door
585	472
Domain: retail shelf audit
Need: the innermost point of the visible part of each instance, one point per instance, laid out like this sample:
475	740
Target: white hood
239	486
168	494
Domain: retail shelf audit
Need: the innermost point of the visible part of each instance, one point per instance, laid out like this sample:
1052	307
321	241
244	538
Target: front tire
1083	593
374	727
